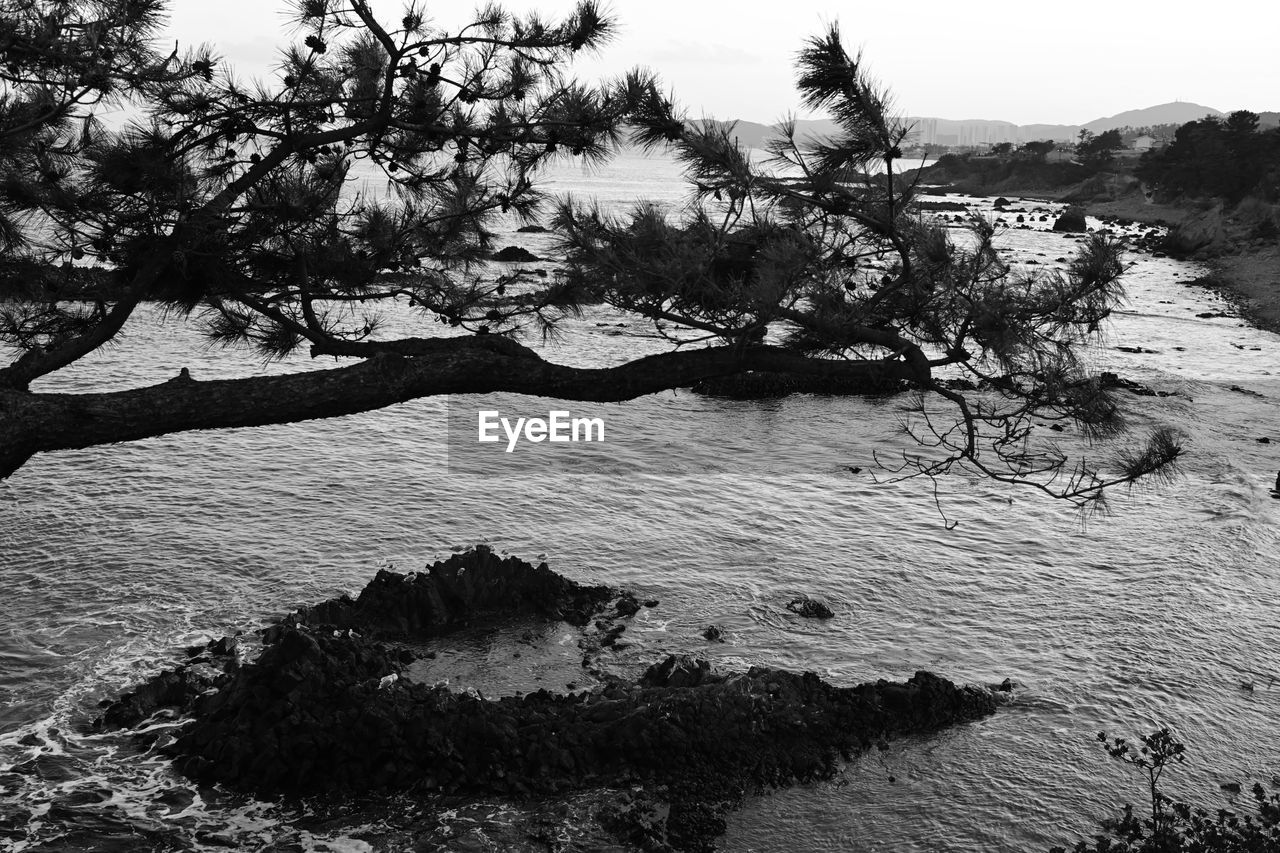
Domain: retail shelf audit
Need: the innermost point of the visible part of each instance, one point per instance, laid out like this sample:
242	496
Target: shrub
1176	827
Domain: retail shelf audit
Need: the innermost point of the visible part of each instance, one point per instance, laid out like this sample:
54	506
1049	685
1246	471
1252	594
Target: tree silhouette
225	202
1226	158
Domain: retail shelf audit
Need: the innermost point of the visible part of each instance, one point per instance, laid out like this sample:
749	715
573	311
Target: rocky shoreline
329	708
1245	264
1242	252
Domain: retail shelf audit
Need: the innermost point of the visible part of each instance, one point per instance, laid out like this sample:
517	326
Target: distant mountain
940	131
1177	112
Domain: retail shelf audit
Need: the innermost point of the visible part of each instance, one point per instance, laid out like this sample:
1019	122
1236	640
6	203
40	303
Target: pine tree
225	202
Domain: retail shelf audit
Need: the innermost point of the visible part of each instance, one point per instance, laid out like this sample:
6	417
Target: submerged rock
810	608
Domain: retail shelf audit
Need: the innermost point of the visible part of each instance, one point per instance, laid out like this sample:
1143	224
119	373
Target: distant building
1144	143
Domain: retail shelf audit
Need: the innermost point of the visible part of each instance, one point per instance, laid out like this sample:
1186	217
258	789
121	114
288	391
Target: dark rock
627	605
515	254
311	716
611	636
1071	220
1000	202
1202	235
326	712
318	714
638	819
1246	391
713	634
1107	379
467	587
810	608
174	689
677	671
169	689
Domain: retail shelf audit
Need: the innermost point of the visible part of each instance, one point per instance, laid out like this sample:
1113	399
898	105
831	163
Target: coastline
1246	271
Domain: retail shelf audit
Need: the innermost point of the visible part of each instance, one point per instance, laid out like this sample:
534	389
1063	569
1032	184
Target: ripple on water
115	558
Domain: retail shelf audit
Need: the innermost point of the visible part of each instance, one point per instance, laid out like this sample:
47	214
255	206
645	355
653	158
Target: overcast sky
1028	62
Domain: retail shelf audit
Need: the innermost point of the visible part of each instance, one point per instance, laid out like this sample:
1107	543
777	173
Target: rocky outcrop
1203	235
1102	187
324	713
467	587
1071	220
470	587
515	254
206	667
329	709
810	608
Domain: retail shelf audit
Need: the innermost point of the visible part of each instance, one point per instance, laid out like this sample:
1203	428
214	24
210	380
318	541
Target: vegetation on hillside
1028	166
1229	158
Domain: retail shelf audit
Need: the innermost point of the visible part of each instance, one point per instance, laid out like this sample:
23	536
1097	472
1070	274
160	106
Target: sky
1027	62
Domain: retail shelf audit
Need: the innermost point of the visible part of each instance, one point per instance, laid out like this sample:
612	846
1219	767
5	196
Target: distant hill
1177	112
940	131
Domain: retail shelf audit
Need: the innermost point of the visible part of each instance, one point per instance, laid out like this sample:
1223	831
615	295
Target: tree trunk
32	423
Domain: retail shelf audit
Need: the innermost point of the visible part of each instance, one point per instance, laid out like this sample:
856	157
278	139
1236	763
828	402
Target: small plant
1176	827
1158	751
